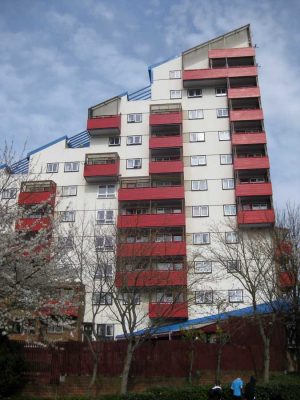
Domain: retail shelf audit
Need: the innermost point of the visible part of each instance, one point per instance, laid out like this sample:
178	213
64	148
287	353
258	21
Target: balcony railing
165	167
232	52
101	167
243	163
165	142
249	138
166	310
152	193
150	220
253	189
33	224
150	278
104	125
286	279
246	115
151	249
243	92
256	217
166	118
37	193
217	73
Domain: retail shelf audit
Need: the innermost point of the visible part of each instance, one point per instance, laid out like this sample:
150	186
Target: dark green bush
11	366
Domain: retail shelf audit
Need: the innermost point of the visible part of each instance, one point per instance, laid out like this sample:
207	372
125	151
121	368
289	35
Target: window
233	265
197	137
131	298
132	140
227	183
203	267
201	238
176	74
222	112
195	114
71	167
260	206
225	159
134	163
199	185
67	216
105	216
175	94
69	190
224	135
200	211
104	243
102	298
9	193
198	160
105	331
134	118
235	296
204	297
55	328
229	209
114	141
231	237
52	167
107	191
222	91
66	242
104	271
194	93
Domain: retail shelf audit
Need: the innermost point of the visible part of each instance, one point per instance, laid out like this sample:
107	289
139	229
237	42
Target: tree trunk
218	370
126	368
191	357
266	360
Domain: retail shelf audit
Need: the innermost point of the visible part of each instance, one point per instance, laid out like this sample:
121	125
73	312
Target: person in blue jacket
237	388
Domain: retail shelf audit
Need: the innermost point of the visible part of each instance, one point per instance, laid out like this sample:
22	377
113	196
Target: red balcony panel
246	115
55	307
165	310
251	163
167	118
218	73
165	141
32	198
287	279
165	167
105	124
259	217
243	92
33	224
96	172
148	193
152	249
253	189
149	220
232	52
284	248
249	138
151	278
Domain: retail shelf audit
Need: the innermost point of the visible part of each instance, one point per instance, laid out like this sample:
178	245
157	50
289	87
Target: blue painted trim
81	139
2	166
47	145
242	312
150	67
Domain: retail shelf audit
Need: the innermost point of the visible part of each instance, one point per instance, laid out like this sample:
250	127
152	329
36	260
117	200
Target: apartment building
161	168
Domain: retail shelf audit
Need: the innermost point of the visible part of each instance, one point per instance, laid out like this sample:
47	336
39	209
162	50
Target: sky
59	57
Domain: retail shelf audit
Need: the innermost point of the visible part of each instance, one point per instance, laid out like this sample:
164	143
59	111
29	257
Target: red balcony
167	118
284	249
218	73
104	125
232	52
246	115
243	92
60	308
286	279
249	138
149	249
165	167
256	217
150	220
253	189
150	193
166	310
151	278
165	141
38	192
251	163
99	172
33	224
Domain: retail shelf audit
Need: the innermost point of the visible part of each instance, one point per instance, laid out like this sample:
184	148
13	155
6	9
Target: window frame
107	243
198	158
230	241
106	221
72	163
197	111
135	301
173	91
228	179
55	171
225	163
107	195
228	138
64	188
114	144
133	142
222	112
65	213
198	270
200	138
133	118
175	74
105	326
134	160
233	292
4	193
199	190
208	296
201	214
229	214
105	298
221	94
231	269
103	273
191	96
201	234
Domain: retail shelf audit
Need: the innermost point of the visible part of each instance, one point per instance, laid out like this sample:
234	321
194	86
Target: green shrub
11	366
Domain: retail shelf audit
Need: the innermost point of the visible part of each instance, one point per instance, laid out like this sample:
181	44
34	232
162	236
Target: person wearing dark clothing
250	389
215	393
